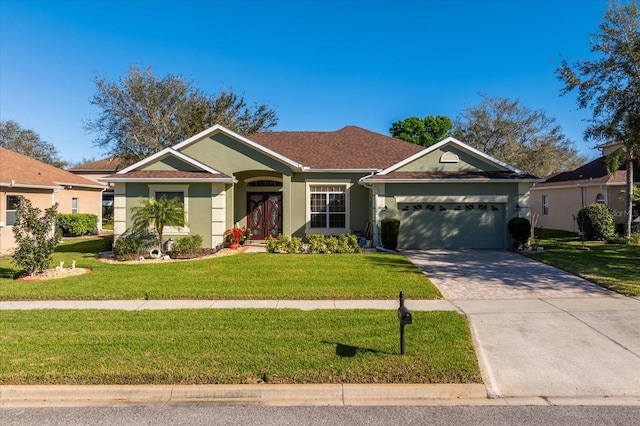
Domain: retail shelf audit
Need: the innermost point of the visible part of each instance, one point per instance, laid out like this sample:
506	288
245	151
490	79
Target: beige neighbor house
95	170
560	197
298	183
44	186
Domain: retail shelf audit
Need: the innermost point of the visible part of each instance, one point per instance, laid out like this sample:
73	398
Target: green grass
242	276
613	266
232	346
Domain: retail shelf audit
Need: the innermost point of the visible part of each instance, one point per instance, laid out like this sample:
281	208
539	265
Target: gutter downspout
376	233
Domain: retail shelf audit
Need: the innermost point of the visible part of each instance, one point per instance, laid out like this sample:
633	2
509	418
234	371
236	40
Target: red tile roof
348	148
20	170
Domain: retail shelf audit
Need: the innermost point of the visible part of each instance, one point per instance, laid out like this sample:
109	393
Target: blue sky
321	64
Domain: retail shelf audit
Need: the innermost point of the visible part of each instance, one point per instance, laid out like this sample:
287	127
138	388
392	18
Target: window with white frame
600	199
328	206
12	206
545	205
74	205
181	192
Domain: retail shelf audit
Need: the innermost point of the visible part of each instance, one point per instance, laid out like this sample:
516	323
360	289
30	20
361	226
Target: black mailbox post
404	316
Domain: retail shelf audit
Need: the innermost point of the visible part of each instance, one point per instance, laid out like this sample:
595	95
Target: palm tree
627	155
610	86
158	213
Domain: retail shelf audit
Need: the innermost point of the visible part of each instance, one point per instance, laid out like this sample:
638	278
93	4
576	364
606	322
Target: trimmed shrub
348	244
631	240
596	222
188	245
134	245
32	232
389	229
77	224
284	244
520	230
617	239
317	244
272	244
128	247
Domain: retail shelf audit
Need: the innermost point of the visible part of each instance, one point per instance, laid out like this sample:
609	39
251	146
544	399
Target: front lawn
613	266
242	276
232	346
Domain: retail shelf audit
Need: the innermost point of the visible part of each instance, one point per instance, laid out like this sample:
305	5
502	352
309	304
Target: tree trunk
628	217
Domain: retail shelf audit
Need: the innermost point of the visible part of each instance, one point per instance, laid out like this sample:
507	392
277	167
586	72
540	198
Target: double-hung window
12	206
328	206
545	205
74	205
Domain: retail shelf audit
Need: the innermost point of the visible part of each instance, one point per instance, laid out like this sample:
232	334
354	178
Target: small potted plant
233	237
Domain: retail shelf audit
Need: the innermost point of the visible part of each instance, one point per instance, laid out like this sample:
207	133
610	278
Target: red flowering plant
233	235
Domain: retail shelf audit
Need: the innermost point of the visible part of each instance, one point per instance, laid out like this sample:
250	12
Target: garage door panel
451	225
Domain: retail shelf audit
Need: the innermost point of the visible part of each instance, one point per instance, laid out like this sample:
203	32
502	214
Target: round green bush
77	224
520	229
389	230
596	222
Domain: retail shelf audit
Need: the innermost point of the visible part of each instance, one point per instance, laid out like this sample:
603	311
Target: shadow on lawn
348	351
397	261
10	273
89	247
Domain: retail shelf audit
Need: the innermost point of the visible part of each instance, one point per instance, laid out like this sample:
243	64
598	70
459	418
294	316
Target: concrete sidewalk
305	305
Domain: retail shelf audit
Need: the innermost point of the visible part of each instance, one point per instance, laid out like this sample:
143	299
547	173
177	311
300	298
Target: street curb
282	395
259	394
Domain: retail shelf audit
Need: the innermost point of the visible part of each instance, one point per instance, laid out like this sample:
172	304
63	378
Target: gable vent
449	157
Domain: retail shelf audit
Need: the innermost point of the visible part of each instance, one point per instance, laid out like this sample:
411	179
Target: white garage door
452	225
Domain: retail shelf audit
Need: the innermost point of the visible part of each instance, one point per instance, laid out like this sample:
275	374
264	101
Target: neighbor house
44	186
297	183
95	170
557	201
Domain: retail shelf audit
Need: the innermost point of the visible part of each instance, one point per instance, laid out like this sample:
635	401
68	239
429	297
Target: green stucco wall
199	207
229	156
431	162
170	163
358	199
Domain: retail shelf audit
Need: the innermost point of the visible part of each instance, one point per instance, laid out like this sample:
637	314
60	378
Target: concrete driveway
539	331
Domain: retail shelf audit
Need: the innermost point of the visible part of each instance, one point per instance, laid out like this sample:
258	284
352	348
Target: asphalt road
300	416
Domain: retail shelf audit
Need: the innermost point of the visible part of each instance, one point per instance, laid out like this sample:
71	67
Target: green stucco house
448	195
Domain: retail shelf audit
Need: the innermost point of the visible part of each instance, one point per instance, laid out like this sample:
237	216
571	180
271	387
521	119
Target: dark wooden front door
264	214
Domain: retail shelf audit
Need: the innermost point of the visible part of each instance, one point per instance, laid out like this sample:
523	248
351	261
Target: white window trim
545	205
328	231
77	208
174	230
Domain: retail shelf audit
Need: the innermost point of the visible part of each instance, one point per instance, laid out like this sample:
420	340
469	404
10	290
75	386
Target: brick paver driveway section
498	274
